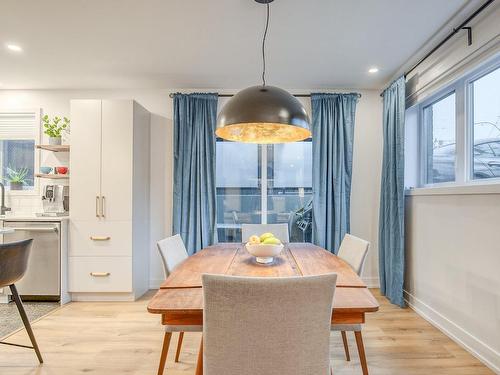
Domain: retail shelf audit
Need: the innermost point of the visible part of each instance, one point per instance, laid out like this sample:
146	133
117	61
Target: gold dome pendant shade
263	114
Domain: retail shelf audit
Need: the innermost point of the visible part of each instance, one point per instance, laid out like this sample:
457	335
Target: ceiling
212	44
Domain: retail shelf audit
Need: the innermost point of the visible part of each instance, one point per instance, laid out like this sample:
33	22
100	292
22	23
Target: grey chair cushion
346	327
353	250
267	325
280	231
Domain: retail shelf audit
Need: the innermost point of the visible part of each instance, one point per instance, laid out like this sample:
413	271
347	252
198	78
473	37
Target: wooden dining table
180	298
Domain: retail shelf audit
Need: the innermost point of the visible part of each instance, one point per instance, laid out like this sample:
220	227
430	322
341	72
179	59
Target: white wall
452	238
366	163
56	102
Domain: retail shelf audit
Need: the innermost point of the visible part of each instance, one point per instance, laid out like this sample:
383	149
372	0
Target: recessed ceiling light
373	70
14	47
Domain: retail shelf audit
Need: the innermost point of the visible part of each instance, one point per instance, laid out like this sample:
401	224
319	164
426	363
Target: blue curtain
332	137
194	203
391	231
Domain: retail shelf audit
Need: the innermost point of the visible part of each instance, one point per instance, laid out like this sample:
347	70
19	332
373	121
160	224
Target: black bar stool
13	264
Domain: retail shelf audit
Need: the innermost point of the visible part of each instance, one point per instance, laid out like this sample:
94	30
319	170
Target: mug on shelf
45	170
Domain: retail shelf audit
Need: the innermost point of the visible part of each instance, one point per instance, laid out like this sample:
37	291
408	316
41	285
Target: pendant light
263	114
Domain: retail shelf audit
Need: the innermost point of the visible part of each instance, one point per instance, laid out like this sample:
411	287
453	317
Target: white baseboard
371	282
472	344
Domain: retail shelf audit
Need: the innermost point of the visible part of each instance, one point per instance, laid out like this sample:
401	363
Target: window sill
471	189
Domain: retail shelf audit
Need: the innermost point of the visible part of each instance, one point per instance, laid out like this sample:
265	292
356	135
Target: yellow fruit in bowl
266	235
254	240
271	241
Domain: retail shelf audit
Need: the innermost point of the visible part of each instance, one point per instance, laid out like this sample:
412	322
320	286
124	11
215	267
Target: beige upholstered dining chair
280	231
353	250
267	326
173	252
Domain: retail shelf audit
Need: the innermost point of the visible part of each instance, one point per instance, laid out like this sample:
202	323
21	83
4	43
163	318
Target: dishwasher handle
34	229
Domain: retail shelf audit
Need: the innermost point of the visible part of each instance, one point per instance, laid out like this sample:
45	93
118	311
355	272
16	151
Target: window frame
37	154
464	129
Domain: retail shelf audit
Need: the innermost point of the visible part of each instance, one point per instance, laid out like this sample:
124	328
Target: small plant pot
16	185
54	141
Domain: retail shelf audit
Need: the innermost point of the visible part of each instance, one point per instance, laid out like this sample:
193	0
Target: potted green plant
16	177
54	127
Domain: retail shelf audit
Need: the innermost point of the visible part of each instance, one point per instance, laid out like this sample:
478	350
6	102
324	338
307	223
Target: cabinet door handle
103	206
100	238
100	274
97	206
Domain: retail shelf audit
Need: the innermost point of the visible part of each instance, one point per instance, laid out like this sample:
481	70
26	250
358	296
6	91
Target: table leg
179	346
199	365
164	352
361	351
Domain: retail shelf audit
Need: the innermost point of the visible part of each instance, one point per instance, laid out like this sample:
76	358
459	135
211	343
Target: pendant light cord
264	49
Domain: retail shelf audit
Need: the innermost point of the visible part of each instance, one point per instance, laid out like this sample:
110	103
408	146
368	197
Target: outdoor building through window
485	92
264	184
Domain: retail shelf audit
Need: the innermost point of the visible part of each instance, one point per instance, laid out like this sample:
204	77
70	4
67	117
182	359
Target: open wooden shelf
54	148
53	176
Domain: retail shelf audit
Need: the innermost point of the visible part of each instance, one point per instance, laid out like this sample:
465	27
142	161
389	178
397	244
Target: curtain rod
231	95
462	26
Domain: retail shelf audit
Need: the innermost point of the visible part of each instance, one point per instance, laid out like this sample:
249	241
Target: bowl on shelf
62	170
45	170
264	253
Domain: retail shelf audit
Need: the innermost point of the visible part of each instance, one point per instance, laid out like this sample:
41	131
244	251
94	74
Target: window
485	92
238	181
263	184
18	135
453	137
439	119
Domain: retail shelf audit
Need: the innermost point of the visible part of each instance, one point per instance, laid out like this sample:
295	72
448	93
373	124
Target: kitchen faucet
3	209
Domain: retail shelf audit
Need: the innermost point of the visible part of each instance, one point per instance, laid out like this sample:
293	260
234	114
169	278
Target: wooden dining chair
353	250
13	265
172	253
280	231
267	325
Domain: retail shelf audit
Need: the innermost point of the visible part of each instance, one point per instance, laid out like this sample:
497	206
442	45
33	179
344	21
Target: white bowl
264	253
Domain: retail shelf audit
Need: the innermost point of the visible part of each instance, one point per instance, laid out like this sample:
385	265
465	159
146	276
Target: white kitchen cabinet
109	188
85	162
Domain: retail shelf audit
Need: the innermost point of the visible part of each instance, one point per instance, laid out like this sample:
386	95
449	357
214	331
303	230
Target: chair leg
199	364
346	345
164	352
361	351
26	321
179	345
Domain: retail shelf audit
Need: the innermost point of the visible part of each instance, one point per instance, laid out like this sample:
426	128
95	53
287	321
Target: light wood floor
122	338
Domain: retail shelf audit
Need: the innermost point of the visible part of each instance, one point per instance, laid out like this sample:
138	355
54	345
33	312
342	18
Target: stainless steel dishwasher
42	280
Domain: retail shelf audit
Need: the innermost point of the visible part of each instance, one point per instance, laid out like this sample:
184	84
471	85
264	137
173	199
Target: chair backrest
267	325
353	250
172	252
14	261
280	231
